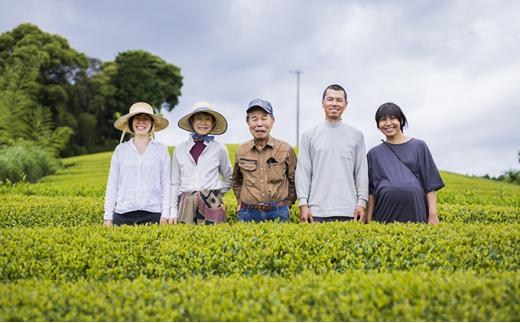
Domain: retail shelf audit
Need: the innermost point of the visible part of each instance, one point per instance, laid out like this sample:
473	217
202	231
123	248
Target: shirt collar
192	142
333	124
270	143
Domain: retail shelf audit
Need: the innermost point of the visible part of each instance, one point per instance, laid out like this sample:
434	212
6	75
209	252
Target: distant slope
92	170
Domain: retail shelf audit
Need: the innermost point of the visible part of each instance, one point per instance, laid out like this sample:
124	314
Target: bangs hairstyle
390	109
131	121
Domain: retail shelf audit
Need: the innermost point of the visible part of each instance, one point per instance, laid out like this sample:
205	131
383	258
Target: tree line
57	102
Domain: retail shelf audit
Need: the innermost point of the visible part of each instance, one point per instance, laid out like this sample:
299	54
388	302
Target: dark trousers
136	217
332	219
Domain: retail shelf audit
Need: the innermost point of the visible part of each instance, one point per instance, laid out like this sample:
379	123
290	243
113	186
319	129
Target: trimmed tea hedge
42	211
352	296
248	249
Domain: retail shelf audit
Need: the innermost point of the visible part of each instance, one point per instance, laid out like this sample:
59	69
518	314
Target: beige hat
159	123
220	125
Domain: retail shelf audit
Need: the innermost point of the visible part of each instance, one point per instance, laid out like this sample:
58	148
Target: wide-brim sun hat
220	125
159	123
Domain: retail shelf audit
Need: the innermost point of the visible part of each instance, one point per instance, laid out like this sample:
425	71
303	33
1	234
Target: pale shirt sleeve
361	173
225	170
175	185
303	171
166	186
112	187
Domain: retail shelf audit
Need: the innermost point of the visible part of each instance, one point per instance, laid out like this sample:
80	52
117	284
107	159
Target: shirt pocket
247	165
348	158
276	170
248	168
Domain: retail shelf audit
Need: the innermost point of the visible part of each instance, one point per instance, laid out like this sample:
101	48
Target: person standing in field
332	172
197	165
263	175
403	178
138	187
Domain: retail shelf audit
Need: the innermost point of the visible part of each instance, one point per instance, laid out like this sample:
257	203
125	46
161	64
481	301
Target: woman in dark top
403	178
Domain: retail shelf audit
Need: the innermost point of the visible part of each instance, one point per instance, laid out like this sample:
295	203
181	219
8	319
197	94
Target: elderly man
263	175
332	172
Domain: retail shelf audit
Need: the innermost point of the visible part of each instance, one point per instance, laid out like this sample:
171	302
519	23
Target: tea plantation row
352	296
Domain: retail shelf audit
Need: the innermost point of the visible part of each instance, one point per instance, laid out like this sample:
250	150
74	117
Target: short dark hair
391	109
131	121
334	87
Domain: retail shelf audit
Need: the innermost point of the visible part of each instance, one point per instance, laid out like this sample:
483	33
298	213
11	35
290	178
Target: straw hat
159	123
220	125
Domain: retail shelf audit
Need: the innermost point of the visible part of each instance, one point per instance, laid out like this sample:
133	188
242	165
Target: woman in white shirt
139	186
201	170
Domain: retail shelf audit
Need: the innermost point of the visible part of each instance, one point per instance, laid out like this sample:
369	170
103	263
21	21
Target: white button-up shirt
139	182
188	176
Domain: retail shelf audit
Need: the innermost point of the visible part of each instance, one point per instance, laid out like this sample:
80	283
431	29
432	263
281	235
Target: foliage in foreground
249	249
351	296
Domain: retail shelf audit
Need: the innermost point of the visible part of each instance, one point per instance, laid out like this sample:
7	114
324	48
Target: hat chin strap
122	136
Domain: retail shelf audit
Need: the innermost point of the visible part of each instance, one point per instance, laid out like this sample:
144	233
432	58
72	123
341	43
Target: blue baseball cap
262	104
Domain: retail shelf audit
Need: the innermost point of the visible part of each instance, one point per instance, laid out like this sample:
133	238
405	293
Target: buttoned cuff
165	214
302	202
108	216
173	213
362	203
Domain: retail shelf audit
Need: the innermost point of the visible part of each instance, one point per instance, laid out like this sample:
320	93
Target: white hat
220	125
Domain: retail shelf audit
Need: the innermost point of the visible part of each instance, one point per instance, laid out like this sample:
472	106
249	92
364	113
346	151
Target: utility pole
297	72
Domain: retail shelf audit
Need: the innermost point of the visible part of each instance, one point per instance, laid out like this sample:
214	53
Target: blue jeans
277	214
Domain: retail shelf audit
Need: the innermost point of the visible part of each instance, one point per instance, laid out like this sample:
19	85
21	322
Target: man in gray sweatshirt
332	170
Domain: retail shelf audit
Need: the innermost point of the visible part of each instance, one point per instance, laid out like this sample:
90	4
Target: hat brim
159	123
221	124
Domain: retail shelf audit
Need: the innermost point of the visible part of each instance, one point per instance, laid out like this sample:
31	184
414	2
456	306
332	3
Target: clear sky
453	66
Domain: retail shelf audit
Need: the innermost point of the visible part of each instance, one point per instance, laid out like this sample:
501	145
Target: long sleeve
112	187
175	183
225	170
361	173
165	184
303	171
238	179
291	174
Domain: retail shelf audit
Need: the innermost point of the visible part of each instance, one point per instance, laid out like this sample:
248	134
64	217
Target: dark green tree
140	76
58	63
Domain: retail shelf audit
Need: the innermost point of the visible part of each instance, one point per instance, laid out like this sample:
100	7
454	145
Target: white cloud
452	65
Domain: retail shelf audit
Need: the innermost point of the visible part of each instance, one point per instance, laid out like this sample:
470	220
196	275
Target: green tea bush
43	211
56	208
22	163
351	296
248	249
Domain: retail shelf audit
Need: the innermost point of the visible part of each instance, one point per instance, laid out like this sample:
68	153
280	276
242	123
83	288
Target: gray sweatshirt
332	170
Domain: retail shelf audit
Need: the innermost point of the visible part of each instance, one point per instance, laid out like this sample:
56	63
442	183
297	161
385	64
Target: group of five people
332	178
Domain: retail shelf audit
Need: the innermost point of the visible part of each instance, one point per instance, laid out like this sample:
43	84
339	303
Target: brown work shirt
265	175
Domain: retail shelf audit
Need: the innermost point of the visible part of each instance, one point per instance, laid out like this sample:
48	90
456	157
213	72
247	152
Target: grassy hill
58	263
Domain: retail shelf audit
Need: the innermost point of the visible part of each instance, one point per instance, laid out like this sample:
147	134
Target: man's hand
360	214
172	221
107	223
305	214
163	221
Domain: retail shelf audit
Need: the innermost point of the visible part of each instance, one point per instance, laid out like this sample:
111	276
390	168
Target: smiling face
202	123
260	124
141	124
334	104
389	126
